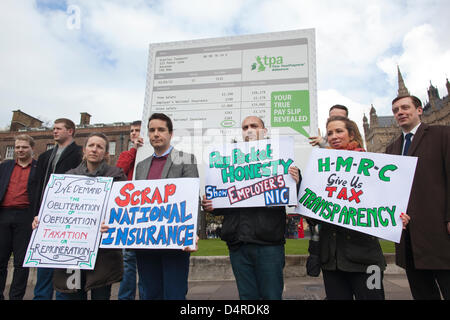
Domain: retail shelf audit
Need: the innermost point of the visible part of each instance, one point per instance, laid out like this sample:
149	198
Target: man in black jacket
64	156
16	190
255	236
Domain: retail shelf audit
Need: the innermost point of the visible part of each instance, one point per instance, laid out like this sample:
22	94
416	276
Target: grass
217	247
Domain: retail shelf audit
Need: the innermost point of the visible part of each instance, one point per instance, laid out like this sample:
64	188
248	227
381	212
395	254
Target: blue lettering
131	237
189	238
121	236
161	236
184	218
144	217
115	215
180	241
174	214
109	240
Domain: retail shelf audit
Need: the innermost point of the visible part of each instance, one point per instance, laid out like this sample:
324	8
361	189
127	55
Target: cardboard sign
68	234
251	174
361	191
152	214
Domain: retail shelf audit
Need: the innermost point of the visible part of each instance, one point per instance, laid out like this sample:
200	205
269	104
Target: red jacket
126	162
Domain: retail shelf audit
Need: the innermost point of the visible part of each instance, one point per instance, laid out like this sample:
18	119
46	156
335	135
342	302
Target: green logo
290	109
263	62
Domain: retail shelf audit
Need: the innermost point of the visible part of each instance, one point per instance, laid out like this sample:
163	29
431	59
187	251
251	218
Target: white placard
152	214
251	174
68	234
362	191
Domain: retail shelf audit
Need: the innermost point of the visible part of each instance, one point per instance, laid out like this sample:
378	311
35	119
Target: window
9	152
112	148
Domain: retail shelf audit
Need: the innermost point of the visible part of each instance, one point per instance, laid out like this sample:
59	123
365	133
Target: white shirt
413	131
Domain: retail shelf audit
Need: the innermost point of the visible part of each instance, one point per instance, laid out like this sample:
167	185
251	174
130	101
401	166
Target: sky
61	58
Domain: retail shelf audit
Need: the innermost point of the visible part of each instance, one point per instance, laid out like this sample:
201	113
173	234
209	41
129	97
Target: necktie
407	143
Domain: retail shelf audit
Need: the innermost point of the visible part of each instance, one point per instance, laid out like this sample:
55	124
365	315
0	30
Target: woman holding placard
352	262
74	284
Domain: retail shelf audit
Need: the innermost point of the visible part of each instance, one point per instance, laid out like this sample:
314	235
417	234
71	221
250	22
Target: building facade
380	131
118	134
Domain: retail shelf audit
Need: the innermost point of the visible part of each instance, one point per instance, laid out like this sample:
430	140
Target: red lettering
135	201
144	194
156	196
355	195
342	194
280	181
330	191
169	190
124	202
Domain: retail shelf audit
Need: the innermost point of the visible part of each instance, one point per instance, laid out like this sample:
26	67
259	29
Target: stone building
380	131
117	133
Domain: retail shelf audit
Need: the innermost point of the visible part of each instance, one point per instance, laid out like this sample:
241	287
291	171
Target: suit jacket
6	169
178	165
70	158
429	202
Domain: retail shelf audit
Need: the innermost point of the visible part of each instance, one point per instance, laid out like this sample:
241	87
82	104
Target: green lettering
324	165
364	166
391	213
389	167
384	222
347	162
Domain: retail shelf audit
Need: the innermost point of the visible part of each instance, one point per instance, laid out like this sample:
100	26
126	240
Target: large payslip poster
251	174
208	86
152	214
68	234
362	191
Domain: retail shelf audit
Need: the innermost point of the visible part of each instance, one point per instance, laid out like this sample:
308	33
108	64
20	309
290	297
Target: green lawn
217	247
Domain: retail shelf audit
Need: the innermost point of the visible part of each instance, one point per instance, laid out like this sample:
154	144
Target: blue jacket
6	169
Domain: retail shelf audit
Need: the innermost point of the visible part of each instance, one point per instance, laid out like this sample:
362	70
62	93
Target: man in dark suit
64	156
424	250
164	272
16	190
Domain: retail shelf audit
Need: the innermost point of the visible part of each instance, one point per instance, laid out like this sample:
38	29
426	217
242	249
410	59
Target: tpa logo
263	62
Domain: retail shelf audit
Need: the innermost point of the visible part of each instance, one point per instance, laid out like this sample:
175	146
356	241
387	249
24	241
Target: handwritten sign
152	214
361	191
68	234
251	174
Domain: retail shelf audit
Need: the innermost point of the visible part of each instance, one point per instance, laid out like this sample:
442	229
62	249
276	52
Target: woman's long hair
351	127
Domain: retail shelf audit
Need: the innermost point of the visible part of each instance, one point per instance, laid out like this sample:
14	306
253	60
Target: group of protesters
255	236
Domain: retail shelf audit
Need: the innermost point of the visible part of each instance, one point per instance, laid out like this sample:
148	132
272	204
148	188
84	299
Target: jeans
127	289
44	284
258	271
15	233
164	273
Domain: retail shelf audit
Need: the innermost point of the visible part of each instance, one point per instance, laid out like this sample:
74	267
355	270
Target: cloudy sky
55	65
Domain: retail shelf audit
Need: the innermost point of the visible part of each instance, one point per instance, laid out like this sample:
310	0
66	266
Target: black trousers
15	233
425	284
341	285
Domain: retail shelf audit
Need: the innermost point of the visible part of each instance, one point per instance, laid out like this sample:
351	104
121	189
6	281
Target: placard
70	216
361	191
152	214
251	174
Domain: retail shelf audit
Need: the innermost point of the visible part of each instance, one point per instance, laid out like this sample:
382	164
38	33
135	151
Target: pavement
296	288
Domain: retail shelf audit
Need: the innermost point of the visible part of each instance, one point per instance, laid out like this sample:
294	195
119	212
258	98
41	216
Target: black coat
109	264
70	158
429	201
6	169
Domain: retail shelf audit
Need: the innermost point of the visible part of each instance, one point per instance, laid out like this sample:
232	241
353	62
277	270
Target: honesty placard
152	214
251	174
361	191
70	217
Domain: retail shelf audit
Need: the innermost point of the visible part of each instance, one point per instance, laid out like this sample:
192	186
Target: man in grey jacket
164	272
